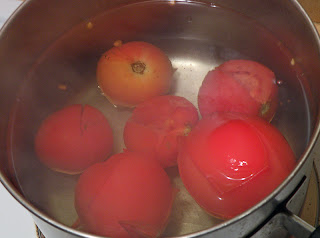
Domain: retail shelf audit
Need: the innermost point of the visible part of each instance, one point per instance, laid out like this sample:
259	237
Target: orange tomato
129	74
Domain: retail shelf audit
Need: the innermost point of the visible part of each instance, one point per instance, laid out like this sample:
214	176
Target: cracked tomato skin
134	72
241	86
230	162
73	138
157	125
128	195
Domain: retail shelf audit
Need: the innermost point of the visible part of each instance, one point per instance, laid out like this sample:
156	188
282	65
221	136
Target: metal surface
58	48
299	226
302	225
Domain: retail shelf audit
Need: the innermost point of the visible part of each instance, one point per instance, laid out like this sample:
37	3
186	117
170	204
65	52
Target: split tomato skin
134	72
73	138
241	86
157	125
230	162
128	195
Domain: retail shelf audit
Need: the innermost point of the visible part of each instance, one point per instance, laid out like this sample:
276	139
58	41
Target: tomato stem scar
187	130
265	108
138	67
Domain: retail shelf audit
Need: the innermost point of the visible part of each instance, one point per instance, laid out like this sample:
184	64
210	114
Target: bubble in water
279	82
100	91
213	5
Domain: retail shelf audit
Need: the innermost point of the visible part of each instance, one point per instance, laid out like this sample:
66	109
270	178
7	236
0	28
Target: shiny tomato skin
128	195
73	138
157	125
230	162
241	86
134	72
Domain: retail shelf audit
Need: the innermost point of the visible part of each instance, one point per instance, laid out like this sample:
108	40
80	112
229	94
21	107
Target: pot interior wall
196	37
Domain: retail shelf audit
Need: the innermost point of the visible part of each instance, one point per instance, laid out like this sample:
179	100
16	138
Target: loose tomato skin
134	72
230	162
157	125
241	86
128	195
73	138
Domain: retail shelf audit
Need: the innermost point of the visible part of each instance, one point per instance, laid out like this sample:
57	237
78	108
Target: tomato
73	138
156	126
230	162
128	195
134	72
242	86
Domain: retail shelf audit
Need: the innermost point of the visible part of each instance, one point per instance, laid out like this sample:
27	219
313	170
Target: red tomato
134	72
73	138
239	86
128	195
156	126
230	162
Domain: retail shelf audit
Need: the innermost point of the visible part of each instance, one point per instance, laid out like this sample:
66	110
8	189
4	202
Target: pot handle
297	226
294	224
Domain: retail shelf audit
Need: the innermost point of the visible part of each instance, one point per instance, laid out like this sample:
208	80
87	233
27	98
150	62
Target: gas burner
309	211
39	233
311	207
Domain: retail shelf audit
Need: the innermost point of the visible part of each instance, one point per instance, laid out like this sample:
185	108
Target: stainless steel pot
48	53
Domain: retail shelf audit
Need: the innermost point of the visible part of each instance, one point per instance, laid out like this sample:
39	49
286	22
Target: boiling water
196	37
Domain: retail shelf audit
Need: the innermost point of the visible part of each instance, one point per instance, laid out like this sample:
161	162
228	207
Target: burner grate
39	233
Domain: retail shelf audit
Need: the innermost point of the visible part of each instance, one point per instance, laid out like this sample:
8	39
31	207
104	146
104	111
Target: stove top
15	220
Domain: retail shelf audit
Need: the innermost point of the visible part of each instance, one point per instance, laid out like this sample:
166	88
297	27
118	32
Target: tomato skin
241	86
157	125
230	162
122	84
73	138
128	195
